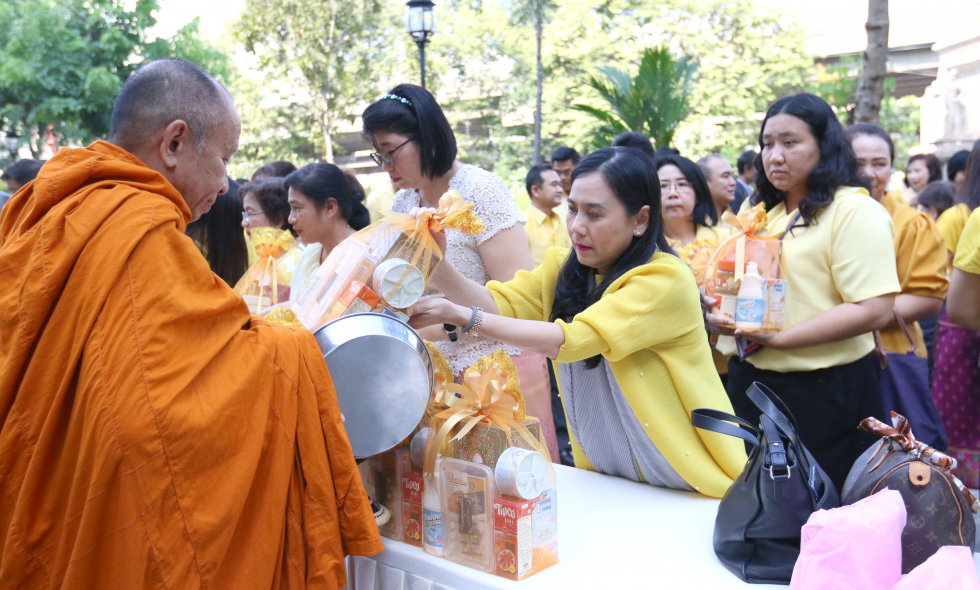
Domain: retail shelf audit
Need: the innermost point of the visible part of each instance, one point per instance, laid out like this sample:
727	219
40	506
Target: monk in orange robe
153	434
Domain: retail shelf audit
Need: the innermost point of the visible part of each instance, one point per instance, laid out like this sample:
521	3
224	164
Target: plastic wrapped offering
730	262
263	285
467	496
393	258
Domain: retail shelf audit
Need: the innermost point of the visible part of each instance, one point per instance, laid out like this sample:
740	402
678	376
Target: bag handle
905	330
720	422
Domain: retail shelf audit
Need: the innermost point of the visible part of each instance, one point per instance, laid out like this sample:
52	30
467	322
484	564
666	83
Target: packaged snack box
467	500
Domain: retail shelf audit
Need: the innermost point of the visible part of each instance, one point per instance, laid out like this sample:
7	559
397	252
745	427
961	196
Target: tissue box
486	442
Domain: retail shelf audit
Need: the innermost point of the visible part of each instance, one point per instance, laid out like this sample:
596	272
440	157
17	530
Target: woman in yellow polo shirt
957	393
621	317
839	263
953	220
919	247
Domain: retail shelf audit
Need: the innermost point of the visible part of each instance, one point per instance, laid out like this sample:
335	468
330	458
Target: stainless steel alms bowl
382	372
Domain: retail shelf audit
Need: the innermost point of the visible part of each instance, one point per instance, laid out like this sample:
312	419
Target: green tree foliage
62	62
330	51
654	102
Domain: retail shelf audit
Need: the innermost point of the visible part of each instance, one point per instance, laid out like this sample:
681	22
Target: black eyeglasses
387	156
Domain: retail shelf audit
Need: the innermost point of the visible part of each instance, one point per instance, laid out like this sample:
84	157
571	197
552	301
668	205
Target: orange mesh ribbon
900	433
746	223
490	393
453	213
270	243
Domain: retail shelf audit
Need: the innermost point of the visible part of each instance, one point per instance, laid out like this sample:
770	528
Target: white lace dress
498	210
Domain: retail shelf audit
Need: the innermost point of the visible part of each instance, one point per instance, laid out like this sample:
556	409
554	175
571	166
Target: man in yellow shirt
545	228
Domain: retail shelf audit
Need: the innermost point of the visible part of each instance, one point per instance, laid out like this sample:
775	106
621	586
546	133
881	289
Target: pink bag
950	567
856	547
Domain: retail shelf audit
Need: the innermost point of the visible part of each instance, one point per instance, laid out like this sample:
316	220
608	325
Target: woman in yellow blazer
621	317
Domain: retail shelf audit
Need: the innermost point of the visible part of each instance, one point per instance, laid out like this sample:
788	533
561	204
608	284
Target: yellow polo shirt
968	250
544	231
648	326
847	257
704	233
921	259
951	224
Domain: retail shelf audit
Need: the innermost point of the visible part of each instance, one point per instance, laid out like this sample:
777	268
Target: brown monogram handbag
939	508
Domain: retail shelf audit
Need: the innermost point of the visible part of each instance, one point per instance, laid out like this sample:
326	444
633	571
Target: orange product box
412	508
513	542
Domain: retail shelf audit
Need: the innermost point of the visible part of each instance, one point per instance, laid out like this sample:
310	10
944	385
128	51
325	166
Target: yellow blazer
648	326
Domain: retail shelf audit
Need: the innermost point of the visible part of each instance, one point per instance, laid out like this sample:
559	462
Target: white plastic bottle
751	304
432	513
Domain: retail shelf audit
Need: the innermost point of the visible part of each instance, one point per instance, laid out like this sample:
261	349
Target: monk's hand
437	311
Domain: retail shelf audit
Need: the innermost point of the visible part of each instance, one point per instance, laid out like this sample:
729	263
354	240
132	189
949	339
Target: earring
636	233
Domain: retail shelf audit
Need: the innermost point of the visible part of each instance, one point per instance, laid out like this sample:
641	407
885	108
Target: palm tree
653	103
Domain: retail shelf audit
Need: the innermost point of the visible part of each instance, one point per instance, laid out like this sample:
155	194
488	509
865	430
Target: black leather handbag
757	530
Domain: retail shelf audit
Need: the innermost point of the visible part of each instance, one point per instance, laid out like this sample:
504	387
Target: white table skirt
612	533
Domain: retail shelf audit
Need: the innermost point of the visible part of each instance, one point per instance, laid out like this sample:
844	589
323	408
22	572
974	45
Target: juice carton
357	298
513	538
544	522
412	508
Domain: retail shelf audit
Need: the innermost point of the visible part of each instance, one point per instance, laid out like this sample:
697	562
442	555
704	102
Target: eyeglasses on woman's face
680	185
383	157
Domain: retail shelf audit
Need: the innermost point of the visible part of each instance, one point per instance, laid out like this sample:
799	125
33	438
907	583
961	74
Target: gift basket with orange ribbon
385	267
743	274
263	285
477	485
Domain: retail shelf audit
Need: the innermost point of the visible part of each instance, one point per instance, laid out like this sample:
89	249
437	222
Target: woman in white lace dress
416	147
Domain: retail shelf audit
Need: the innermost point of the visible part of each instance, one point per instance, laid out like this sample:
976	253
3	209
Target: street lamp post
11	144
420	21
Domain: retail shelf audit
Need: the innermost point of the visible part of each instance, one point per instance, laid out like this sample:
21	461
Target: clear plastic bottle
751	304
432	513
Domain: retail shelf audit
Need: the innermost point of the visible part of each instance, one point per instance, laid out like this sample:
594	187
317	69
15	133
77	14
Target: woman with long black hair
218	235
839	264
620	316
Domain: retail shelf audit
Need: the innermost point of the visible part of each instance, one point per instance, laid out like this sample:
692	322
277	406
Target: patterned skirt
956	389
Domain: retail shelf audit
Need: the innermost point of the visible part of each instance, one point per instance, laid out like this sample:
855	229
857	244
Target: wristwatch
451	330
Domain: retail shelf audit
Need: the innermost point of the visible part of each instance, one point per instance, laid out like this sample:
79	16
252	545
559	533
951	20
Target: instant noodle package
385	267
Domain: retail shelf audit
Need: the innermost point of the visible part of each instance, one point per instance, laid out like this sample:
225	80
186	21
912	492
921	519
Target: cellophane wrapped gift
728	263
385	267
382	477
263	285
512	528
856	547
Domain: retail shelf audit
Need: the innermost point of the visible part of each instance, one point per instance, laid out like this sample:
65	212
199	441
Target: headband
400	99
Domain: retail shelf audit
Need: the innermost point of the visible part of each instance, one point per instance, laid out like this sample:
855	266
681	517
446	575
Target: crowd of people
587	289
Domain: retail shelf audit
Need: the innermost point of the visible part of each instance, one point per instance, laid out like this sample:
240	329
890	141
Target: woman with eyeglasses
688	209
324	209
416	146
690	218
265	204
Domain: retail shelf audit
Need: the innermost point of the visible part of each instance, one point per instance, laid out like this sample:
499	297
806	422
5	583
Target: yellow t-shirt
648	326
968	251
380	200
847	257
951	224
921	259
544	231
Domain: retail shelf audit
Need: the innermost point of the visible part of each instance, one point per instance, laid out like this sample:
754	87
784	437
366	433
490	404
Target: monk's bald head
165	91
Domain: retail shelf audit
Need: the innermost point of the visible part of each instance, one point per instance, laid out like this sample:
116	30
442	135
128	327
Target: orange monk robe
152	433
